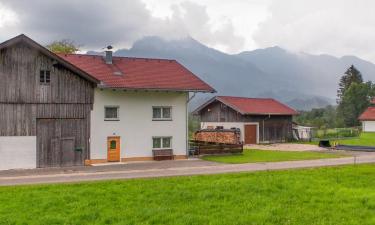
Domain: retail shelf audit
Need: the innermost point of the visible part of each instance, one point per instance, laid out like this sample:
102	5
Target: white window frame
161	113
118	113
161	142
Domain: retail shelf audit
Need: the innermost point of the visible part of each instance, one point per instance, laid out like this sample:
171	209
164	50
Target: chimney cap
109	47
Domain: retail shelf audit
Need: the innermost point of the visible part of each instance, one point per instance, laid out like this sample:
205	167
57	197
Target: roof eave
50	54
103	86
271	114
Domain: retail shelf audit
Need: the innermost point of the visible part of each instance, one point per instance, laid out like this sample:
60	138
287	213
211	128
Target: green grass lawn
252	156
365	139
334	196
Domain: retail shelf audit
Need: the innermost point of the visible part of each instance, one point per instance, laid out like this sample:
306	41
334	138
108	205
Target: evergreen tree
352	75
354	101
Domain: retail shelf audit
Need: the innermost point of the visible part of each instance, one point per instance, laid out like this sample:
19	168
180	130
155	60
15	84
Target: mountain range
301	80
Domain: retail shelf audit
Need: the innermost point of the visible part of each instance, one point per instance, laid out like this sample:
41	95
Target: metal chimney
108	55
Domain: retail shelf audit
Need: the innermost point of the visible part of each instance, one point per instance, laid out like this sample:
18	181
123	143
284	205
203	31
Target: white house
140	106
70	110
368	118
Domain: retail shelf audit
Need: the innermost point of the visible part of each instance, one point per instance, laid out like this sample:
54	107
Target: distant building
302	133
368	118
260	120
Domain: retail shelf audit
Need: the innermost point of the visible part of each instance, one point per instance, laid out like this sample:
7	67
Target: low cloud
97	23
336	27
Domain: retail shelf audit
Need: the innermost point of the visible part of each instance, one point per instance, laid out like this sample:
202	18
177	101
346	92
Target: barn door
67	151
48	140
250	134
60	142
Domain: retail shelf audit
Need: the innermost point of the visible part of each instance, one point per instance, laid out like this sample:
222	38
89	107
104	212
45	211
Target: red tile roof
139	73
369	114
257	106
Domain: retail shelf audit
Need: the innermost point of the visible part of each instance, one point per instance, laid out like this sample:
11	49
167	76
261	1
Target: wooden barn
45	105
260	120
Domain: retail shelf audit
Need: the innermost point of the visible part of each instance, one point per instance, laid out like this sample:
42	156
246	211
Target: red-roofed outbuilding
261	120
368	118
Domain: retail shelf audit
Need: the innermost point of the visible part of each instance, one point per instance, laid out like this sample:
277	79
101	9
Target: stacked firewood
218	136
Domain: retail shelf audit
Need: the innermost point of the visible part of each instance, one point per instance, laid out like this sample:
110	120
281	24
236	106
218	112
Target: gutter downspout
188	99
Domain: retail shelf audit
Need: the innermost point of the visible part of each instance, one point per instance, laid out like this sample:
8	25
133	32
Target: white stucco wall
229	125
368	126
17	152
136	127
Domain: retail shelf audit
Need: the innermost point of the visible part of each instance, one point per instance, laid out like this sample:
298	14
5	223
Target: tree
319	118
64	46
354	101
352	75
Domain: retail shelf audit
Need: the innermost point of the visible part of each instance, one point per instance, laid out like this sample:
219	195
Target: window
162	142
162	113
111	113
112	145
45	77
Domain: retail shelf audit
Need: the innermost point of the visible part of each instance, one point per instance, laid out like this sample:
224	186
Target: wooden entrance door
113	149
250	134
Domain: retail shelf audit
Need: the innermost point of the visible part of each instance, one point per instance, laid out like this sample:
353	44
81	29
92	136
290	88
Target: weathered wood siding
20	119
62	142
218	112
274	128
20	68
26	105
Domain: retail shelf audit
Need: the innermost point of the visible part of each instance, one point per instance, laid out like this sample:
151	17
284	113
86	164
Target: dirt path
287	147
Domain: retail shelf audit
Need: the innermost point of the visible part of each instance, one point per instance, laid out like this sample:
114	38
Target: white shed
368	119
302	132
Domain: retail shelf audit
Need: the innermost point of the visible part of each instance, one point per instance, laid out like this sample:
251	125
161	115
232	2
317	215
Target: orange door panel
113	149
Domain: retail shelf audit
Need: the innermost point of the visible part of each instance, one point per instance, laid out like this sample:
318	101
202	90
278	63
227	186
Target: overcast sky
336	27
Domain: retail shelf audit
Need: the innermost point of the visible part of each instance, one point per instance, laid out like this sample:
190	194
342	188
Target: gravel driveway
287	147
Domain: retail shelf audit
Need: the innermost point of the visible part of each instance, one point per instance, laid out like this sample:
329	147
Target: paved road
161	169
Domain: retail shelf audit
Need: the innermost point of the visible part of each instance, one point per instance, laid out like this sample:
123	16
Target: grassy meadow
253	156
334	195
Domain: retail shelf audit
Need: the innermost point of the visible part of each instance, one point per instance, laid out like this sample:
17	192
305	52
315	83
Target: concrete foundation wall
18	152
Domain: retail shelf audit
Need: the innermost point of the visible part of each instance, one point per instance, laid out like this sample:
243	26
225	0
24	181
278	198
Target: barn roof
368	114
139	73
252	106
23	38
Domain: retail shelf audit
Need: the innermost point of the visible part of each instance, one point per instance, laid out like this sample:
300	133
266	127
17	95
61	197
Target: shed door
250	134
